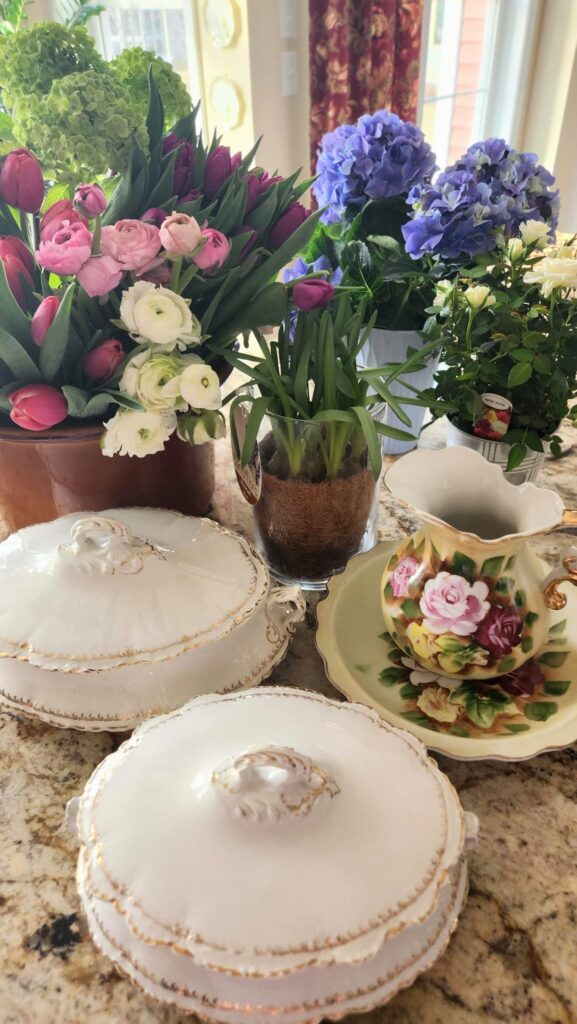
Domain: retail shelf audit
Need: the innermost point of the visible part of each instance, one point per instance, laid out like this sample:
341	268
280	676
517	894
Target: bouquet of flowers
123	299
506	325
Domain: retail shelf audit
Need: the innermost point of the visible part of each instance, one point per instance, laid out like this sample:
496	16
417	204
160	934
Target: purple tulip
287	224
184	163
21	181
154	216
258	182
219	166
311	294
189	197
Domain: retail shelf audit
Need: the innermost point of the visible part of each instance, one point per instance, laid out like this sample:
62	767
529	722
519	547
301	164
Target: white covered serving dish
271	855
108	619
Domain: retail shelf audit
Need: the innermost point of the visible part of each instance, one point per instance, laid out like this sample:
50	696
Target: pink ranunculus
215	251
100	274
57	216
154	216
450	604
12	246
311	294
104	360
180	234
21	181
402	575
89	200
500	631
68	249
132	243
287	224
17	276
38	407
43	318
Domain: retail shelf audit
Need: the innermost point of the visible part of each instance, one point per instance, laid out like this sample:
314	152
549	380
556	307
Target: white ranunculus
158	315
444	289
153	379
515	249
555	271
534	232
479	296
137	433
208	428
200	387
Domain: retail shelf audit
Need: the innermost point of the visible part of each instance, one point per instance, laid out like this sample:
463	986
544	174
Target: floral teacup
463	596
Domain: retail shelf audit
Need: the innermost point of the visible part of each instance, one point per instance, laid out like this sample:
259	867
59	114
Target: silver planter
498	451
392	347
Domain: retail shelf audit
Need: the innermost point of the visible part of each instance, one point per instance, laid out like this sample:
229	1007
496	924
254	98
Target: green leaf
98	405
155	113
531	618
516	456
411	609
55	343
517	727
519	374
505	585
520	599
389	596
542	364
14	320
526	644
557	687
554	659
492	566
6	127
462	565
510	563
391	675
368	428
418	718
77	400
394	432
16	359
255	417
457	730
557	627
541	710
522	355
409	692
506	665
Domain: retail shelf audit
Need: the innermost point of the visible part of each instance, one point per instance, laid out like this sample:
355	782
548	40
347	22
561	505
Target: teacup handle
565	573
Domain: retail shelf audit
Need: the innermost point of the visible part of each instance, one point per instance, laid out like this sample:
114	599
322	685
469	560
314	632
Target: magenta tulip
58	215
38	407
103	361
287	224
89	201
12	246
311	294
17	275
43	318
21	181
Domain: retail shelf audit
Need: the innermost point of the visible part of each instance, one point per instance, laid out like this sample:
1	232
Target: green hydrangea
131	70
33	59
83	127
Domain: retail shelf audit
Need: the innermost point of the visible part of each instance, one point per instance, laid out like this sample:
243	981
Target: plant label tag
250	476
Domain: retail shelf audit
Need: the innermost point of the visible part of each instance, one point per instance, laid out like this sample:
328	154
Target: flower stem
175	274
96	236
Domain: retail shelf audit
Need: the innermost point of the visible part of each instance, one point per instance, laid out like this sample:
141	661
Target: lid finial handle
106	546
272	784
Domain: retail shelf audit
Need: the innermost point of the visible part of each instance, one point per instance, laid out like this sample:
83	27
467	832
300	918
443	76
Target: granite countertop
512	958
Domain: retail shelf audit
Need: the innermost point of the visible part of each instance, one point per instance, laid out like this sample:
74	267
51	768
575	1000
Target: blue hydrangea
300	268
489	190
379	157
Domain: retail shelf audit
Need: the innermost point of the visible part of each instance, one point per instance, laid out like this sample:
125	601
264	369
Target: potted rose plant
121	301
506	329
317	430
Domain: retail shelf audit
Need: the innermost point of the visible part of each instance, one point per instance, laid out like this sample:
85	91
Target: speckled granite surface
512	959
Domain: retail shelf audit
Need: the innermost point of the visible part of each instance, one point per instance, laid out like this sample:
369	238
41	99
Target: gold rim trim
379	921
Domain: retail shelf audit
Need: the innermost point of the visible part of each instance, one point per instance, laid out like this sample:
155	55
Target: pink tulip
89	200
214	252
99	275
59	215
21	181
38	407
103	361
311	294
68	250
16	275
132	243
43	318
286	225
12	246
180	234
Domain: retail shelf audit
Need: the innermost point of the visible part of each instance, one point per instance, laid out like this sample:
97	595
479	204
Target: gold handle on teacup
553	597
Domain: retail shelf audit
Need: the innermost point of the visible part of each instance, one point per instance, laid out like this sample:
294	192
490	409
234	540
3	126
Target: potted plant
365	174
506	329
316	425
132	282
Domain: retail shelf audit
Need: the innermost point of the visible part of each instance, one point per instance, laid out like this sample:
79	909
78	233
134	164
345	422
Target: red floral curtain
364	55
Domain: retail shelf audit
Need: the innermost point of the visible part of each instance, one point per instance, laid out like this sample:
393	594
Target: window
473	82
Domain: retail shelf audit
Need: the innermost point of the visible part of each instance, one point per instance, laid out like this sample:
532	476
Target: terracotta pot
47	474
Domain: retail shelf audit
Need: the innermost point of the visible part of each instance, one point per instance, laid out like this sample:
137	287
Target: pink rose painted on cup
401	575
67	250
132	243
500	631
450	604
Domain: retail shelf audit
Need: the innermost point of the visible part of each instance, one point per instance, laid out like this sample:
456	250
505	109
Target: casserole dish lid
269	831
90	592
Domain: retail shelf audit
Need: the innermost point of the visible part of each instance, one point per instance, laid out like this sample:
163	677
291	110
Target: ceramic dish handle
285	607
565	573
106	546
272	784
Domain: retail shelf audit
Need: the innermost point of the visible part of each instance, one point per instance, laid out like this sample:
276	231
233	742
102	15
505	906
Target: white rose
534	232
444	289
153	379
137	433
200	387
158	315
479	295
515	249
557	271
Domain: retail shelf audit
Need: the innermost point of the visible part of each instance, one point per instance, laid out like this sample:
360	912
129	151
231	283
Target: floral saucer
513	717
